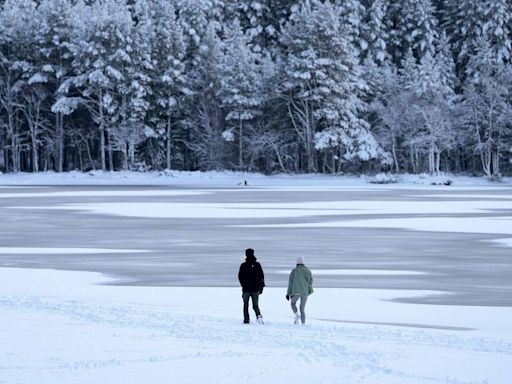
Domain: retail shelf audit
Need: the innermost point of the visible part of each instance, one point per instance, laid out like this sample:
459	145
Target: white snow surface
66	327
62	327
228	178
501	225
503	242
274	210
64	251
96	193
357	272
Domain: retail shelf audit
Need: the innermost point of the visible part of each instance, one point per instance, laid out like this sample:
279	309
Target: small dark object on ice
446	182
244	183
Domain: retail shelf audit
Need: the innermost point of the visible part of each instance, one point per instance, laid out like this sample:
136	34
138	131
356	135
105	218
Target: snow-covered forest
257	85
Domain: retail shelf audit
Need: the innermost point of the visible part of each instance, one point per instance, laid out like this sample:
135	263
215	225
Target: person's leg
245	297
293	302
255	301
303	300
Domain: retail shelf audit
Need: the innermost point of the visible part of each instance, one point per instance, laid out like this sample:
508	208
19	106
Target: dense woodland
345	86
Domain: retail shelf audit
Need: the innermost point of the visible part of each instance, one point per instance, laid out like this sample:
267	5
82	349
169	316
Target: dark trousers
254	296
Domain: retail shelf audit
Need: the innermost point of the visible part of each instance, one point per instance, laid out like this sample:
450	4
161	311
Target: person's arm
310	283
262	276
290	282
240	275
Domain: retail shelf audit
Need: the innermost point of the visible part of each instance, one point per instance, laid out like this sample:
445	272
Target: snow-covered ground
61	327
392	264
228	178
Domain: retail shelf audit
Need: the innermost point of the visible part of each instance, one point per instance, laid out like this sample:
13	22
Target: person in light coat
300	286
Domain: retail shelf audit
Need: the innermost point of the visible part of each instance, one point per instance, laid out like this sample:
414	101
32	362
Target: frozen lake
451	239
412	284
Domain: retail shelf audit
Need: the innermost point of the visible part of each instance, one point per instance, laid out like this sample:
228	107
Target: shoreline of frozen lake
233	178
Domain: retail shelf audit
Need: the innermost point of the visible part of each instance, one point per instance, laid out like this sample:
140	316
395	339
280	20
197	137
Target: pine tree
205	119
54	60
167	73
102	47
262	20
352	14
374	34
496	27
487	102
430	94
196	16
323	86
18	23
413	26
241	77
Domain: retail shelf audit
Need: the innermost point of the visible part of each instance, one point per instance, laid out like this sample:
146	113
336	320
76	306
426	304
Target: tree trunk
60	135
102	148
393	151
14	153
310	142
169	148
35	154
102	136
240	147
110	154
279	159
80	160
89	154
131	152
495	163
413	164
14	146
125	156
431	160
485	157
11	136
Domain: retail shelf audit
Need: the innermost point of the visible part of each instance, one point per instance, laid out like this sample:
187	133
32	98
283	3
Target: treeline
269	85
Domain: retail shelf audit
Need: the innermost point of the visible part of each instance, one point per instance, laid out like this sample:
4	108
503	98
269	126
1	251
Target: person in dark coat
252	280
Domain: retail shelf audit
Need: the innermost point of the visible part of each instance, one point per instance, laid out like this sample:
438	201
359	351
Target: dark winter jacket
251	275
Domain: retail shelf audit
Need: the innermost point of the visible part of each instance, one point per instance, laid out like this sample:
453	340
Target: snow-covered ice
63	327
412	282
366	272
95	193
196	210
63	251
503	242
501	225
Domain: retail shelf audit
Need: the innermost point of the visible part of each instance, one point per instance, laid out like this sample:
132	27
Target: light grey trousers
303	300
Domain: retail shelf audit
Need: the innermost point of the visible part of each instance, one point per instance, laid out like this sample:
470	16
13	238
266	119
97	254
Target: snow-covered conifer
487	95
324	87
374	35
240	79
167	72
413	26
18	26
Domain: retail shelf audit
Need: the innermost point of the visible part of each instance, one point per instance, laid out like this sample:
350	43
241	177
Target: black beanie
249	252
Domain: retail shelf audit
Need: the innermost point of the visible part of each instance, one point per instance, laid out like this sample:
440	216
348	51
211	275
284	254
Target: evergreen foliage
276	86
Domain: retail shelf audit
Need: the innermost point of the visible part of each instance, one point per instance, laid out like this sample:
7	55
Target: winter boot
260	319
297	318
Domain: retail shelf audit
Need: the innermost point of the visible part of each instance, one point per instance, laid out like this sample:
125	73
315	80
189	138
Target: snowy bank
64	327
241	179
